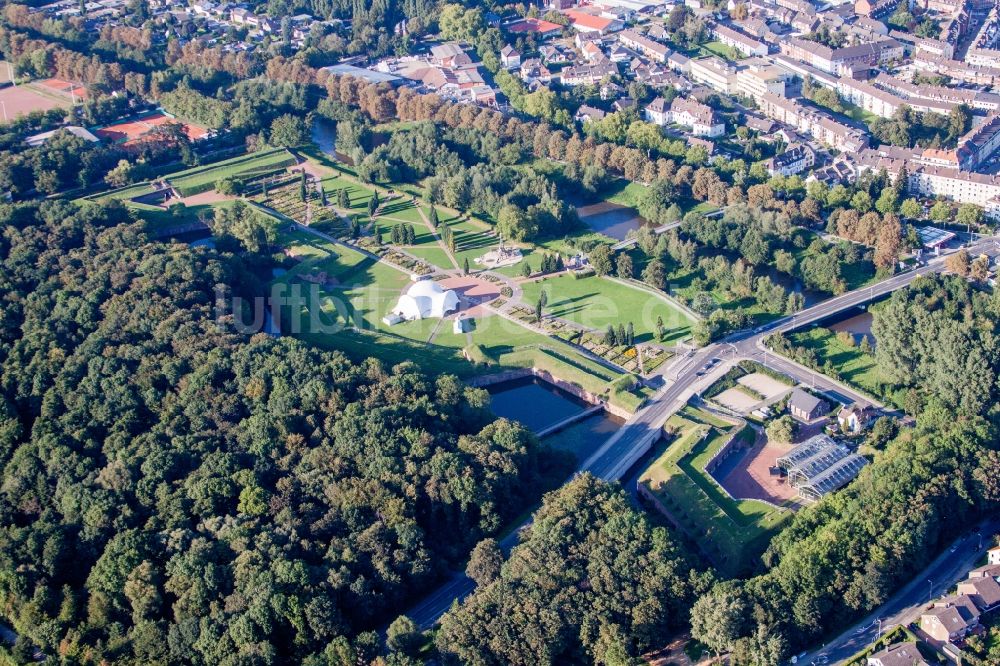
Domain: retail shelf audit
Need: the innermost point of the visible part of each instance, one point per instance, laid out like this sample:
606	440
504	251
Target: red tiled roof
587	20
534	25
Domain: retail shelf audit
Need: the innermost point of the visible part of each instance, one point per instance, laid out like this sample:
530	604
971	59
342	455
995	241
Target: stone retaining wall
546	376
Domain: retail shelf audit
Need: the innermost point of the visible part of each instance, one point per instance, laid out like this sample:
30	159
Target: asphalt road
686	377
905	606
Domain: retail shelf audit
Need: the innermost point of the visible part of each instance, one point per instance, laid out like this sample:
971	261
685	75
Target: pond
538	405
324	135
611	219
791	284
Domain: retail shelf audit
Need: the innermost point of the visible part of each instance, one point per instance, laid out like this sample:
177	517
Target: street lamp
930	589
878	632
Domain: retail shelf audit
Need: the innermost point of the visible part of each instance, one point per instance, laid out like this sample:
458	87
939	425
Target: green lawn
596	302
723	51
203	178
157	218
852	365
734	532
326	316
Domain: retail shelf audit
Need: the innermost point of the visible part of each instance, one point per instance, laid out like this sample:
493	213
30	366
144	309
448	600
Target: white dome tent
425	299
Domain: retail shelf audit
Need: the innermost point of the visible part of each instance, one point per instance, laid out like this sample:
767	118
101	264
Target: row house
743	43
976	99
817	124
651	49
883	103
979	75
842	60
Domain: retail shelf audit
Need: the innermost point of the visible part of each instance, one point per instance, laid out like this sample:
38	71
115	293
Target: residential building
839	61
854	419
984	592
993	556
821	126
510	57
757	80
648	47
657	112
875	8
988	570
900	654
589	74
449	55
742	42
795	159
701	118
950	619
585	114
715	73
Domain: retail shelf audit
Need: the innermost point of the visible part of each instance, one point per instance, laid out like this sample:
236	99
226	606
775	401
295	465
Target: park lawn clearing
596	303
733	532
722	50
158	219
359	194
319	254
368	290
203	178
851	364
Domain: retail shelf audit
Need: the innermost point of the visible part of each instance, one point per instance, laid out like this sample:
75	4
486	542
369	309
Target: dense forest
175	491
591	582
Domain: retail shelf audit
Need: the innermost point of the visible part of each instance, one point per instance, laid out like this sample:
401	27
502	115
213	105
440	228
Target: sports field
596	302
732	532
21	100
134	130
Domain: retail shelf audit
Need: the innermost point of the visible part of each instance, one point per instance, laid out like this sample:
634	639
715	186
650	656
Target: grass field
733	532
851	364
721	50
596	302
203	178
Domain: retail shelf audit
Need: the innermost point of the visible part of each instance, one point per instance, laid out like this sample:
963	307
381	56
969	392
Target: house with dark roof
585	114
900	654
984	592
805	406
950	619
854	418
510	57
795	159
